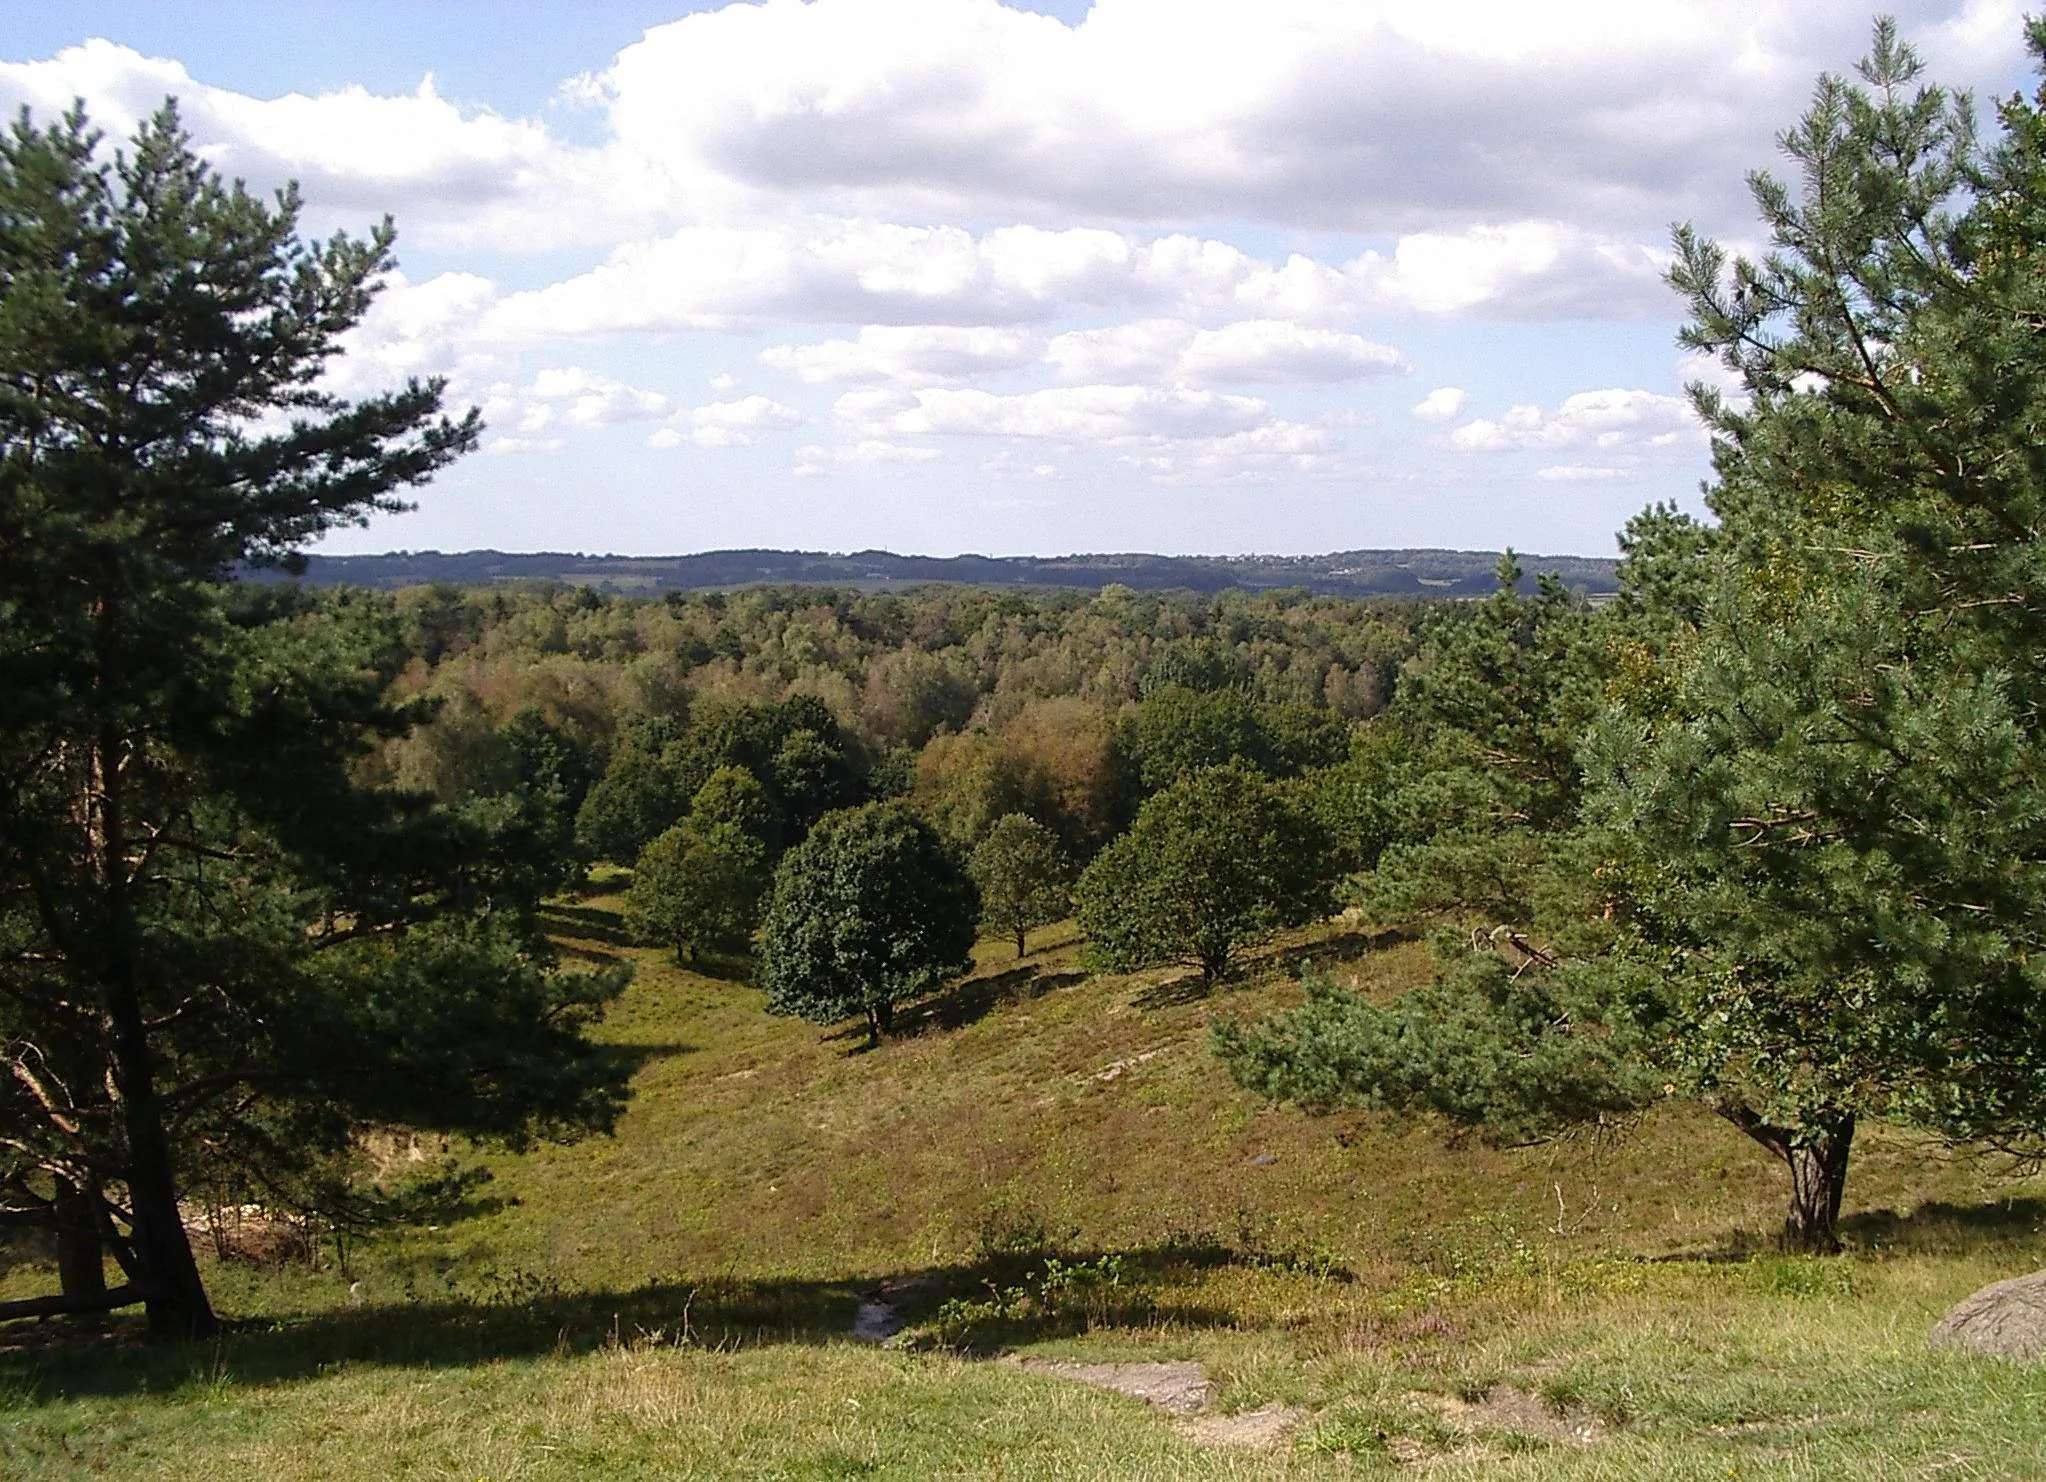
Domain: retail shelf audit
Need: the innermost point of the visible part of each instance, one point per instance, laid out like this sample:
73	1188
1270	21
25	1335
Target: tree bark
176	1297
104	1301
81	1266
880	1021
1022	950
1816	1157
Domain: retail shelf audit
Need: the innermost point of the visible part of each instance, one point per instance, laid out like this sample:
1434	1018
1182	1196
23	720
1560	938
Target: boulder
2006	1320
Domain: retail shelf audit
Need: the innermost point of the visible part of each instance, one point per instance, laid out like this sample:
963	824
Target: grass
1053	1163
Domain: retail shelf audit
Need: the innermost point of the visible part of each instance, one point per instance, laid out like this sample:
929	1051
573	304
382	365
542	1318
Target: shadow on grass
1932	1229
1948	1229
974	999
1338	948
522	1318
1188	988
963	1003
586	923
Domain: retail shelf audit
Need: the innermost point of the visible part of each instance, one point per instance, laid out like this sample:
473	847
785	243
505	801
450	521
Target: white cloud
1581	473
592	400
1261	454
1076	414
813	461
1365	114
914	353
727	424
1608	420
559	398
1441	404
1274	350
1524	269
1247	350
453	175
1422	117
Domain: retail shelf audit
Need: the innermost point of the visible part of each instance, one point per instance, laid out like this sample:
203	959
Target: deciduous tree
871	909
1023	876
1216	862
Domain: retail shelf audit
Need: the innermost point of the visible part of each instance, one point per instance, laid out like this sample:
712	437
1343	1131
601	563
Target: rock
2007	1320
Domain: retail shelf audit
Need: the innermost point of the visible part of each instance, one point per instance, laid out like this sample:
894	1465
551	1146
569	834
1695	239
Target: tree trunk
162	1252
1818	1177
1816	1156
880	1021
1022	950
81	1267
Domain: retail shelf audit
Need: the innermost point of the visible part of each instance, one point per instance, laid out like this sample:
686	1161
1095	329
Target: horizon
1159	276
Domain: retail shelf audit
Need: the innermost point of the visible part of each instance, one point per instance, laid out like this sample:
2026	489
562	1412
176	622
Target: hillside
1340	574
676	1300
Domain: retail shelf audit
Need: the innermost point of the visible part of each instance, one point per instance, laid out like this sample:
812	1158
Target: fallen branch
120	1296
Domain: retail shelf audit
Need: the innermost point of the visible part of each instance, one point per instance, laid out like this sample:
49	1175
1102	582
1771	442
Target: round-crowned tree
872	908
1023	877
1216	862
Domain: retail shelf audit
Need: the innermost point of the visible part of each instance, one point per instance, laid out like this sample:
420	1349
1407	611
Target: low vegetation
1047	1162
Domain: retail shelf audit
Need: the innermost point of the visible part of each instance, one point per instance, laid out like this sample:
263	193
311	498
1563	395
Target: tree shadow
1937	1228
1188	987
1002	1297
972	1000
2016	1225
725	967
1344	945
586	923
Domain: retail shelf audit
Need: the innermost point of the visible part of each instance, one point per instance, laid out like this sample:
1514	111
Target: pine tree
219	956
1807	878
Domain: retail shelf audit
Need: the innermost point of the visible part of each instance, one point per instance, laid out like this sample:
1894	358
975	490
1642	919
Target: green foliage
638	796
698	887
220	955
1023	876
1177	731
871	909
1213	864
1801	870
1481	1049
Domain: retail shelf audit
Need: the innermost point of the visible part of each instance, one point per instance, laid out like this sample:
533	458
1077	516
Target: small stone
2006	1320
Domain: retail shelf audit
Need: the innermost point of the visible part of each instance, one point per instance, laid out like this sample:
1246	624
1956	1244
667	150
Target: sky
936	276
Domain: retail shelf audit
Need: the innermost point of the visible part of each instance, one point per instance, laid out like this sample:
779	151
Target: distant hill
1412	573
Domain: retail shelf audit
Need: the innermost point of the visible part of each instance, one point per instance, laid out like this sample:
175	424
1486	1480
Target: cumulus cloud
727	424
1441	404
1609	420
1076	414
1364	114
813	461
1263	454
1385	117
1581	473
561	398
919	353
454	175
1274	350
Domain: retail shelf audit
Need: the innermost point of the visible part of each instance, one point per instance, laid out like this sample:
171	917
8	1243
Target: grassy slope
671	1301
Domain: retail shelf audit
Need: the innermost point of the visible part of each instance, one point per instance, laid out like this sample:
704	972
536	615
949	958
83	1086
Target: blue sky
951	275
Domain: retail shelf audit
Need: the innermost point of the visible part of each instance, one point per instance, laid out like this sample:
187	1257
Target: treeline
604	716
